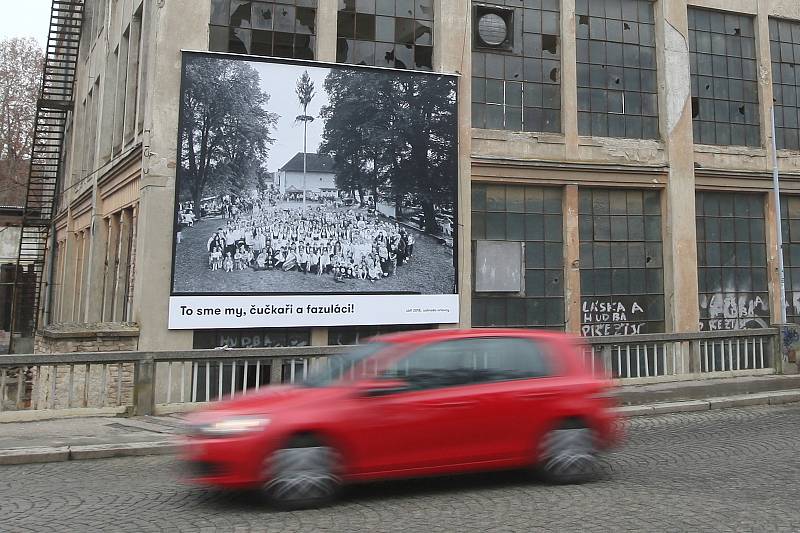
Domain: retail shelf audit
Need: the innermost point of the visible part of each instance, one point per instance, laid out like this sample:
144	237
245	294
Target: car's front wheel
303	474
568	454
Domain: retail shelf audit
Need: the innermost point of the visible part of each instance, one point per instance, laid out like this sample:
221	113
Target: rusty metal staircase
54	104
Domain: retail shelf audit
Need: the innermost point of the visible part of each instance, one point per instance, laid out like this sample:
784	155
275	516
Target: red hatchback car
411	404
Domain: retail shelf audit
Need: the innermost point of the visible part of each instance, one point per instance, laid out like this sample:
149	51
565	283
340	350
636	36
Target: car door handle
447	405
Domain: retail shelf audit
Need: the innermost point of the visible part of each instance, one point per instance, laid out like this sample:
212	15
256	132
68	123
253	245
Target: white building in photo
320	176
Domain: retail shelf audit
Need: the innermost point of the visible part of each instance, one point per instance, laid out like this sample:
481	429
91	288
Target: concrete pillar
765	103
572	271
78	281
453	54
764	66
171	31
112	251
123	266
131	274
319	337
773	276
95	266
327	14
569	81
66	289
680	237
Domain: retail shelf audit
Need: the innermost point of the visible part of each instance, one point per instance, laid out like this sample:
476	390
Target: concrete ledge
36	415
742	400
704	389
739	401
781	397
104	451
634	410
77	330
20	456
680	407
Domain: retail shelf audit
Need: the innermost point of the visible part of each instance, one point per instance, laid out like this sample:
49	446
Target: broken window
386	33
732	261
284	28
724	80
784	39
790	226
621	264
616	54
516	75
532	217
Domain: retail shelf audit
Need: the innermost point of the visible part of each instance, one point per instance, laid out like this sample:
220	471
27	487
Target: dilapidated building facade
620	148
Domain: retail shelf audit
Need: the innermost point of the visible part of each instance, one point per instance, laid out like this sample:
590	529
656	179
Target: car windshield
342	366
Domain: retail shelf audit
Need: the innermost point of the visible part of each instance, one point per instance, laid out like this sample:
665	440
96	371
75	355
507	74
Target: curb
742	400
18	456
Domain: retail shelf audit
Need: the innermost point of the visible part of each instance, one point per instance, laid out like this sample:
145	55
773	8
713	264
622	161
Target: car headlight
234	426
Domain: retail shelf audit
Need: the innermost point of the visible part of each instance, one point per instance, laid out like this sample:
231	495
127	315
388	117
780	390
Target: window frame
718	42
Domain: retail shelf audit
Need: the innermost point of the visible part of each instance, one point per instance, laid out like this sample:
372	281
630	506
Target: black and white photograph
308	178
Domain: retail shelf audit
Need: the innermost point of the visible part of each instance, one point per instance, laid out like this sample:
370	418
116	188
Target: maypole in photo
305	93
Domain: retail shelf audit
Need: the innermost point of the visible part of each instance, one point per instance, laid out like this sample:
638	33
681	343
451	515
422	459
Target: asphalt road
728	470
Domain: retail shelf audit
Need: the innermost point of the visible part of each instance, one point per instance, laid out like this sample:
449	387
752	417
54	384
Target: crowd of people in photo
345	243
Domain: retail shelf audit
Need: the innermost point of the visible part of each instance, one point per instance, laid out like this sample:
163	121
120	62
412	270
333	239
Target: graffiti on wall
614	317
733	311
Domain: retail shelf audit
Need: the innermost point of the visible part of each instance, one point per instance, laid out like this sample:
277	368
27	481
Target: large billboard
313	194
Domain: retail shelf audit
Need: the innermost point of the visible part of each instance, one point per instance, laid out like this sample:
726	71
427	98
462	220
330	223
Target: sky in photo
25	18
279	81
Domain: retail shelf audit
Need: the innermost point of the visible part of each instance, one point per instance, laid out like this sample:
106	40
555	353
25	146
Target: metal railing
689	354
149	382
162	382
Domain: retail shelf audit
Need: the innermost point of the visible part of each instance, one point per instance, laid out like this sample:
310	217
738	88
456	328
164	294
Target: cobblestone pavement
728	470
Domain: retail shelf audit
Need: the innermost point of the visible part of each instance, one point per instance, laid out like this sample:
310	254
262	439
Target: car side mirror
382	387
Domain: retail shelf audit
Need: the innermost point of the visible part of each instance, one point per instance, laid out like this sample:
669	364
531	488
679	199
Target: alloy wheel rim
300	474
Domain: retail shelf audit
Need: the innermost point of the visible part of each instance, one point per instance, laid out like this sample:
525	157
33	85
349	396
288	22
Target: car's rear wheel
302	474
568	454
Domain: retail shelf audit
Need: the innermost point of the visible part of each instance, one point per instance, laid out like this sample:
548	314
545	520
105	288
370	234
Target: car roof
432	335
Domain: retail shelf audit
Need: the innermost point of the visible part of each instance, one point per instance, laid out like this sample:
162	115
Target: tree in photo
393	137
21	63
431	134
225	129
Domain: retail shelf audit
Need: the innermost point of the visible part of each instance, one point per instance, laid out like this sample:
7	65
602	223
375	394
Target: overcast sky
279	81
25	18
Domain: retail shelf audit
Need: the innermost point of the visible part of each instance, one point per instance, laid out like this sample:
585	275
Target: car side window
473	360
509	358
442	364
